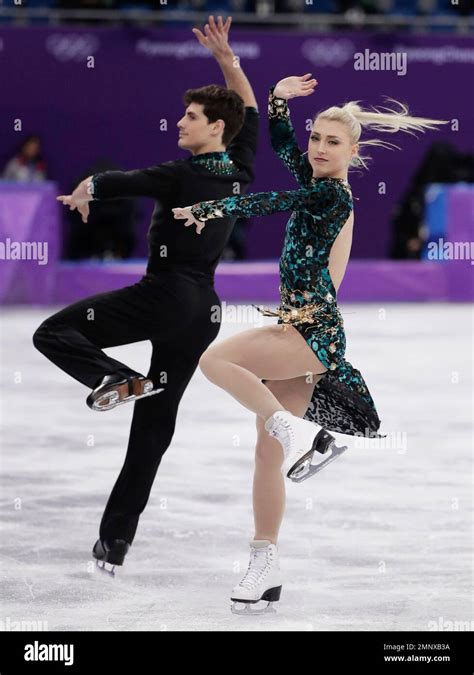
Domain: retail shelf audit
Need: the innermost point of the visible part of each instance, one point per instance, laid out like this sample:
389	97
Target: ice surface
380	540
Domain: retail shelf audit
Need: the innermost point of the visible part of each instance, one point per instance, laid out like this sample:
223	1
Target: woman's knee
209	361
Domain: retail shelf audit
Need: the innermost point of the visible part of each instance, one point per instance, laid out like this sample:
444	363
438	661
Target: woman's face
329	148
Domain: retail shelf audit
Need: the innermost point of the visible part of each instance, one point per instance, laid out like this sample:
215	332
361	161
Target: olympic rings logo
72	47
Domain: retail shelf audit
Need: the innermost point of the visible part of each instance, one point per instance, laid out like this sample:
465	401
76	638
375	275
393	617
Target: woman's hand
291	87
216	37
185	214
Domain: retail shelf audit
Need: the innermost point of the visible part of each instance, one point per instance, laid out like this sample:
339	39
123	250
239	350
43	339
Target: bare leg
268	483
238	364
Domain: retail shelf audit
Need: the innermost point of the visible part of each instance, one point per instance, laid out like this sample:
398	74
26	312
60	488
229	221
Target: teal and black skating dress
341	400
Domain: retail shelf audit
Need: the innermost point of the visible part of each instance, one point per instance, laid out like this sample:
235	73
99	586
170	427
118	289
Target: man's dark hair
219	104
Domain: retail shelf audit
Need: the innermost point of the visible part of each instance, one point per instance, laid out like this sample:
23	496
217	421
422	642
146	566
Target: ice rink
380	540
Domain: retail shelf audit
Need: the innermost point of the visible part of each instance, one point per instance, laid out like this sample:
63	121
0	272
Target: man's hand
291	87
80	204
216	37
78	200
185	214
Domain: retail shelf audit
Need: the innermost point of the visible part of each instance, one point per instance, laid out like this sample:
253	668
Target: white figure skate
261	582
300	440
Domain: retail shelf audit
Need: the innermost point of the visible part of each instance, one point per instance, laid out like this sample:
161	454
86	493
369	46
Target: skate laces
254	573
290	438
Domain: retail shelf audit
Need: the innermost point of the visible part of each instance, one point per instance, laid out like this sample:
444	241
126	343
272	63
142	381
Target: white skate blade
249	608
114	402
106	567
305	469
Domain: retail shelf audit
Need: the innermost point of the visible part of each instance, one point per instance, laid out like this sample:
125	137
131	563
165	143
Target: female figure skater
297	368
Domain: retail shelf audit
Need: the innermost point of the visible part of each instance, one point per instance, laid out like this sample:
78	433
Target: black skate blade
305	469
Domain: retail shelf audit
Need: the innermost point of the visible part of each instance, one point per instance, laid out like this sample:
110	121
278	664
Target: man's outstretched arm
158	182
216	39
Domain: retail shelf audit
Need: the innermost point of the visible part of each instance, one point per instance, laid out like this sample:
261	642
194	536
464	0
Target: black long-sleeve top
211	175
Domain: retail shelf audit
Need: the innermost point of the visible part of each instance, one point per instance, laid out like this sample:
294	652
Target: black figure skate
109	553
114	390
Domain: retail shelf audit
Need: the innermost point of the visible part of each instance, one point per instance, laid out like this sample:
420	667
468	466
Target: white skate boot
300	440
261	582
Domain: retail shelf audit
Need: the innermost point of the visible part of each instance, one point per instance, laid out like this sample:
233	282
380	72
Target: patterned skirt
341	400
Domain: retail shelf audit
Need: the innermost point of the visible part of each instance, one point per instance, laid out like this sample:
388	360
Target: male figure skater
172	305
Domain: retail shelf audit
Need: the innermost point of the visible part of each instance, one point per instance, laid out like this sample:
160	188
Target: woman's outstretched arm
320	198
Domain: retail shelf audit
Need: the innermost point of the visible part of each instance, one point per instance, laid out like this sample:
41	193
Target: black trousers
177	311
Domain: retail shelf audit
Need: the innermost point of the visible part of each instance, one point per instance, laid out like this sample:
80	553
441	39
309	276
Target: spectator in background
109	233
86	4
362	6
443	163
463	7
28	163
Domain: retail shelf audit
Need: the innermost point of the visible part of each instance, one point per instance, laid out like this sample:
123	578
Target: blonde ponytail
357	118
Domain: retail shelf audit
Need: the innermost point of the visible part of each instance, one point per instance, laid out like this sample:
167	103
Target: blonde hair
357	118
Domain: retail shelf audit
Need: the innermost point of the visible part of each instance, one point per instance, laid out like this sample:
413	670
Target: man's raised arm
215	38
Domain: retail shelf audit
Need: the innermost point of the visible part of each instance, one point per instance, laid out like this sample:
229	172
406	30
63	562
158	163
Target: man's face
195	130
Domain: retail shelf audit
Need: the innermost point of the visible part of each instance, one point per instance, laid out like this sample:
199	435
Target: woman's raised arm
282	133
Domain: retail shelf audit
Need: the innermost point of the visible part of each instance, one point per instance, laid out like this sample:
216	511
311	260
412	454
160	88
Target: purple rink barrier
449	220
30	242
118	108
460	230
365	281
29	215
